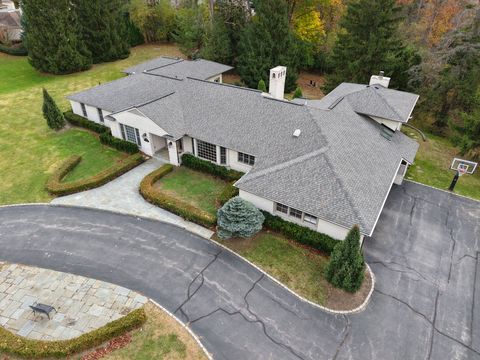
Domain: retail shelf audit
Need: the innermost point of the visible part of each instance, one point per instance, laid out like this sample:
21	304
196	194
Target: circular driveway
424	255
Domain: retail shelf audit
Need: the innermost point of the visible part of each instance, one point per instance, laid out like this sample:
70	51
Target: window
100	115
84	109
130	134
295	213
282	208
223	155
246	159
310	218
207	151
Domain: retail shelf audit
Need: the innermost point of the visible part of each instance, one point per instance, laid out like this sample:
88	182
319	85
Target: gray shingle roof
179	68
374	100
340	168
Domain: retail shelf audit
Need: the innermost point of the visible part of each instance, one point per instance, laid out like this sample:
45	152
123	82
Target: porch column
173	152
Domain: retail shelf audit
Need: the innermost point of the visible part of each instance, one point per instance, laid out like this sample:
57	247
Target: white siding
232	162
76	107
187	144
144	126
336	231
213	78
259	202
394	125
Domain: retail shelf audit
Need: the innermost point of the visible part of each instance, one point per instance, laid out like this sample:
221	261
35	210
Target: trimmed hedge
208	167
228	192
179	207
119	144
300	234
39	349
80	121
15	51
55	185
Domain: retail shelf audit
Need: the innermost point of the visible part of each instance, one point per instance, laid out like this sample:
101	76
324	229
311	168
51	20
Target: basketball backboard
463	166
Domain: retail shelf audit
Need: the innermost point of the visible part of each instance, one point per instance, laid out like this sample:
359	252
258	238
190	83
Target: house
10	26
325	164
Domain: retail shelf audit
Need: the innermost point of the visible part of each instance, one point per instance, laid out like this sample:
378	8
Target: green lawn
432	166
29	149
298	268
198	189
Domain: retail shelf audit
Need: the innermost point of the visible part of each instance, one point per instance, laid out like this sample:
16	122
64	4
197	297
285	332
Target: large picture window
130	134
206	151
246	159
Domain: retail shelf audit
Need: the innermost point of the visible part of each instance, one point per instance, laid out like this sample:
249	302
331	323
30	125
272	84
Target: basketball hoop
461	167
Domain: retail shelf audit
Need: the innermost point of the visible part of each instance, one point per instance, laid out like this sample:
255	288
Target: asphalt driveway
424	254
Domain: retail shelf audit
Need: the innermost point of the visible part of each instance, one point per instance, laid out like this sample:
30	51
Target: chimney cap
381	74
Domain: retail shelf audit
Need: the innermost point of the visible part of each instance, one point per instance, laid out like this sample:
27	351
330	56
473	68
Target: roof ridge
179	60
345	191
386	102
141	104
283	165
223	84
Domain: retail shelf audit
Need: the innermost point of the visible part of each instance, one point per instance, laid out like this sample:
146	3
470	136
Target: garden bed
299	267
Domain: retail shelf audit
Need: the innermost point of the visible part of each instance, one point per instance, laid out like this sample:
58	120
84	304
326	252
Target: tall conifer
51	32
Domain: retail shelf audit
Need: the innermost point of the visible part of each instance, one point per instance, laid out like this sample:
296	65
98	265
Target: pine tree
217	45
51	33
239	218
189	31
298	93
261	86
51	112
103	28
267	41
346	268
369	44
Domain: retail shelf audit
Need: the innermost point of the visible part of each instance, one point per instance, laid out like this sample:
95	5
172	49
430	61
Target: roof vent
297	133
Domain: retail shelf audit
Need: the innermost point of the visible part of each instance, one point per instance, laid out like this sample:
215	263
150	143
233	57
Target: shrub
261	86
346	269
51	112
80	121
177	206
119	144
239	218
297	93
300	234
57	187
14	50
210	168
228	192
39	349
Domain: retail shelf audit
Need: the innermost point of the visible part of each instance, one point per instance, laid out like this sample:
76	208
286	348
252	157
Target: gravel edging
321	307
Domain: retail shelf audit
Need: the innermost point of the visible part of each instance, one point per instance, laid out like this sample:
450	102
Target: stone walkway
82	304
121	195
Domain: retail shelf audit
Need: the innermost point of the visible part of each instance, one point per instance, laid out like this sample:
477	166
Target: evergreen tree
103	28
267	41
189	29
51	33
217	45
239	218
369	44
298	93
261	86
346	268
51	112
235	15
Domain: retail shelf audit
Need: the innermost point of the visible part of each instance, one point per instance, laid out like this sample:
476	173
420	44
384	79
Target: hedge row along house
325	164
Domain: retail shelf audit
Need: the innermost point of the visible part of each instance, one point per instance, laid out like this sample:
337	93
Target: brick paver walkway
82	304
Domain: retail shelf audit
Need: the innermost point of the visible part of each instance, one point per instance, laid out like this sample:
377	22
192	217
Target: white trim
413	108
192	334
386	197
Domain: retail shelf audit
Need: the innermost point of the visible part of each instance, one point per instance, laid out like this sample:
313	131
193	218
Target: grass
196	188
30	150
298	268
160	338
432	166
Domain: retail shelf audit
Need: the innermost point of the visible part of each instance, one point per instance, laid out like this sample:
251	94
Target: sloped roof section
374	100
152	64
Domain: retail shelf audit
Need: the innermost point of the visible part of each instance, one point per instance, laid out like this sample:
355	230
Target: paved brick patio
83	304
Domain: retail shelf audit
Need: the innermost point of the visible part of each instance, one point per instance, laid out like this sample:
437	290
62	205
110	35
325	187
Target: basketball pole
454	181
